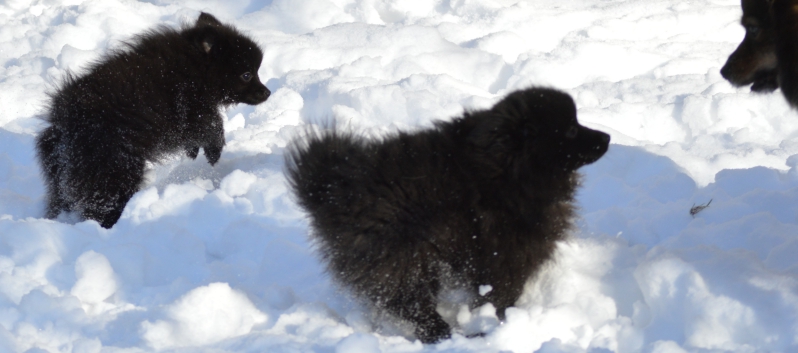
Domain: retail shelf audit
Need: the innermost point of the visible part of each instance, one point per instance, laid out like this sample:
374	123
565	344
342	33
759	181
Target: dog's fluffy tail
322	164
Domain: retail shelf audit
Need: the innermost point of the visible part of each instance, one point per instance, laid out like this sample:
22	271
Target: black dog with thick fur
159	94
767	58
480	200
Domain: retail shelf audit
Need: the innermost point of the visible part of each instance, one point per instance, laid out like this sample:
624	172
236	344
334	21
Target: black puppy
480	200
159	94
767	58
754	62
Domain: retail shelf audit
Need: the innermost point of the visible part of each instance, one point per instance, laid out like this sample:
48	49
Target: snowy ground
217	259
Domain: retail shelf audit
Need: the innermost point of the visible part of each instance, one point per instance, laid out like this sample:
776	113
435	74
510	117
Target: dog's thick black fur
480	200
785	14
159	94
767	58
755	62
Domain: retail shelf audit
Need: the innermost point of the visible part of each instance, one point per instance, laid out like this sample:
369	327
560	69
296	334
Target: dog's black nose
724	71
264	94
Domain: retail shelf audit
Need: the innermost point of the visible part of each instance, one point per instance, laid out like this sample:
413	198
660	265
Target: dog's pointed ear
206	19
205	38
207	26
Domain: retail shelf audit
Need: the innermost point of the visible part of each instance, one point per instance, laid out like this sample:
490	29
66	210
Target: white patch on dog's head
207	47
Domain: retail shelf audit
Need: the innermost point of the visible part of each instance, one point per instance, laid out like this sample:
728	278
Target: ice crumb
358	343
205	315
96	280
237	183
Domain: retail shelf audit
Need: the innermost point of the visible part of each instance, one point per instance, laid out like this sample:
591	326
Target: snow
205	315
217	259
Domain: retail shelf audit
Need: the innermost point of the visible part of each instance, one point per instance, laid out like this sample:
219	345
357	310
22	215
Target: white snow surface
219	260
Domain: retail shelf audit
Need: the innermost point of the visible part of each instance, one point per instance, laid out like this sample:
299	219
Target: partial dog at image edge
479	200
160	94
767	58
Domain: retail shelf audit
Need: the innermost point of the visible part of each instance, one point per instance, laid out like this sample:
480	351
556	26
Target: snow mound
205	315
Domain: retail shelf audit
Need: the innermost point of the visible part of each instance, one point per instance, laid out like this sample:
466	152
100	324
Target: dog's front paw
192	152
213	154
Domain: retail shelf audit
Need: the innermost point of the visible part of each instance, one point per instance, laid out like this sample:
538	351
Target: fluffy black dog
755	62
480	200
159	94
767	57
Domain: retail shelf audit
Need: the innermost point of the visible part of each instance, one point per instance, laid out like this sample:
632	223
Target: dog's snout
725	71
605	138
264	93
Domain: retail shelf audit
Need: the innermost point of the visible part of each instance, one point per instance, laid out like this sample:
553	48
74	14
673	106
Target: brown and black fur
479	200
159	94
767	58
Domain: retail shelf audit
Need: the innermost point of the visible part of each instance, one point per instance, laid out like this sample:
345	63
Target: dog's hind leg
418	306
108	186
410	291
399	280
192	152
47	150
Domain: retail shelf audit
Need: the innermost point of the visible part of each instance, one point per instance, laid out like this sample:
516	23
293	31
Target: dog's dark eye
752	30
572	132
246	77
